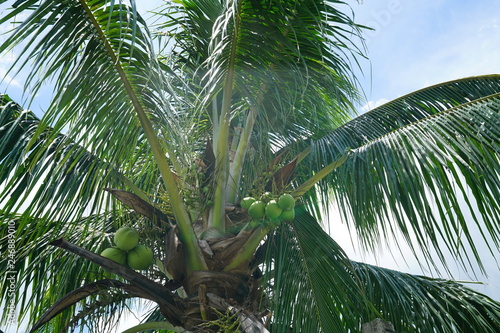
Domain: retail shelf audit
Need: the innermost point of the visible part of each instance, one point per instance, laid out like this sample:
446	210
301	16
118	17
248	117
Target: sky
414	44
418	43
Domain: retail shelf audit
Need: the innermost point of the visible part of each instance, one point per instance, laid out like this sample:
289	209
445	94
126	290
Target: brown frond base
211	293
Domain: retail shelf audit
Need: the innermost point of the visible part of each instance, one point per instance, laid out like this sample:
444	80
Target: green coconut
287	215
140	257
286	201
257	209
274	222
126	238
115	254
273	210
247	202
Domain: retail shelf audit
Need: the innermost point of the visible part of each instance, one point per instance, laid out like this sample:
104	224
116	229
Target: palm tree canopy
240	98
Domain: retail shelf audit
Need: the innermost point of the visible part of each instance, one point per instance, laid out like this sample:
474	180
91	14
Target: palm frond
77	295
45	275
61	172
403	111
420	304
82	39
308	265
100	49
314	288
419	155
282	61
65	176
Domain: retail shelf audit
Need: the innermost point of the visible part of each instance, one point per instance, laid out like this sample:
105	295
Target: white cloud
6	79
370	105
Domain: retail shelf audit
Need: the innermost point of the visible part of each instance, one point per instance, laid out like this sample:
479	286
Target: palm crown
167	132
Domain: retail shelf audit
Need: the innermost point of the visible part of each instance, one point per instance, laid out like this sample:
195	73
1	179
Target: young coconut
274	222
287	215
273	210
286	201
247	202
126	238
140	257
115	254
257	210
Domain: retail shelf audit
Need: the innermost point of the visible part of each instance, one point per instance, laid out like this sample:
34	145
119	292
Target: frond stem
318	176
248	249
133	188
217	219
236	166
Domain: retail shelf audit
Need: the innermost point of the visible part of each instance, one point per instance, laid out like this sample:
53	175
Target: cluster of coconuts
128	250
274	210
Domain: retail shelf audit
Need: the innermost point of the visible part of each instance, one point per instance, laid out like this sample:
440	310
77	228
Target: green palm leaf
314	287
78	179
406	110
44	275
420	304
99	51
77	175
281	63
421	151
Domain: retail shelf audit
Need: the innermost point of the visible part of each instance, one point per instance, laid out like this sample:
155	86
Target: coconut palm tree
170	129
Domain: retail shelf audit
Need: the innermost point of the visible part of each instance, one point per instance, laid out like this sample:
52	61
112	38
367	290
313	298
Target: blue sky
415	44
420	43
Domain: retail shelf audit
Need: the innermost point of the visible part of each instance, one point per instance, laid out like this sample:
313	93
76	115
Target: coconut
247	202
274	222
140	257
126	238
286	201
273	210
115	254
257	209
287	215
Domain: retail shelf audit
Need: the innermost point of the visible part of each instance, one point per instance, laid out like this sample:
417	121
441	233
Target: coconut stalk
318	176
247	251
237	165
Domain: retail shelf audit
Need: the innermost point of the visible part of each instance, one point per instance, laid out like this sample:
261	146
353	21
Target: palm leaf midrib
384	119
431	118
